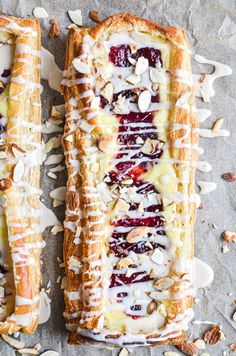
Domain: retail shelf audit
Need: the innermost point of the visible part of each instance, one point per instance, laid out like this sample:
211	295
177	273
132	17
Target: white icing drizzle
205	88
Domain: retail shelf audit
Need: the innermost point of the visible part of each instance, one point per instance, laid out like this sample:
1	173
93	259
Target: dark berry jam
119	279
119	55
135	307
6	73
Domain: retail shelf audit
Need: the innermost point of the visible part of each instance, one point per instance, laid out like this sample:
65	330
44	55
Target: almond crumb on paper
213	335
229	236
94	16
55	30
124	352
40	12
225	249
217	125
229	176
201	78
13	342
233	347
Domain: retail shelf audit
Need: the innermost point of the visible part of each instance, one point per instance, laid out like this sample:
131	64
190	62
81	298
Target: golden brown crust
24	114
179	59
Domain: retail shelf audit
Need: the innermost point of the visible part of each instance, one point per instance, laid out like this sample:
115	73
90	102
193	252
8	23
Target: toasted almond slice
133	79
123	352
144	100
150	146
137	234
74	262
13	342
19	171
106	143
56	229
124	262
155	86
157	256
152	306
99	50
69	138
81	66
141	65
132	61
58	168
107	92
217	125
154	75
40	12
50	353
52	175
54	159
28	351
57	203
163	284
121	205
76	17
17	151
64	283
58	193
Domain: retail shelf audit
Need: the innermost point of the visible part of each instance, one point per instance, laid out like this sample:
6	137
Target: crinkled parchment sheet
203	20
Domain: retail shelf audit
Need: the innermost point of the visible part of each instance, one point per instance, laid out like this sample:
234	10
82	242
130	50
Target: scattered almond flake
58	279
69	138
17	151
50	353
171	353
58	168
153	273
57	111
54	142
123	352
141	65
144	100
225	249
86	127
201	78
163	283
28	351
64	283
16	334
132	61
81	66
155	86
217	125
200	344
58	193
56	203
55	30
37	346
233	347
124	262
19	171
157	256
74	262
188	348
75	17
234	316
229	177
183	99
136	234
154	75
40	12
150	146
152	306
122	205
133	79
56	229
94	16
54	159
52	175
139	140
107	92
129	272
13	342
229	236
213	335
196	300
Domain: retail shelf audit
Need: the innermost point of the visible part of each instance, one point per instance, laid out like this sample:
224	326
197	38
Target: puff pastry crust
131	147
21	149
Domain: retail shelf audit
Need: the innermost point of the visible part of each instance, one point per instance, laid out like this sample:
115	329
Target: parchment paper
203	20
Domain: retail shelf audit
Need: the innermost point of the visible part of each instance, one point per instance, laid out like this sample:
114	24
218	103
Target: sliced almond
19	171
13	342
55	114
154	75
81	66
157	256
121	205
153	273
17	151
76	17
107	92
56	203
200	344
54	159
150	146
133	79
152	306
132	61
56	229
28	351
217	125
52	175
74	262
58	193
64	283
124	262
99	50
137	234
106	143
58	168
157	295
40	12
163	283
50	353
144	100
69	138
141	65
123	352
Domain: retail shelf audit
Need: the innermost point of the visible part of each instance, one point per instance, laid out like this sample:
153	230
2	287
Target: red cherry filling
119	55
